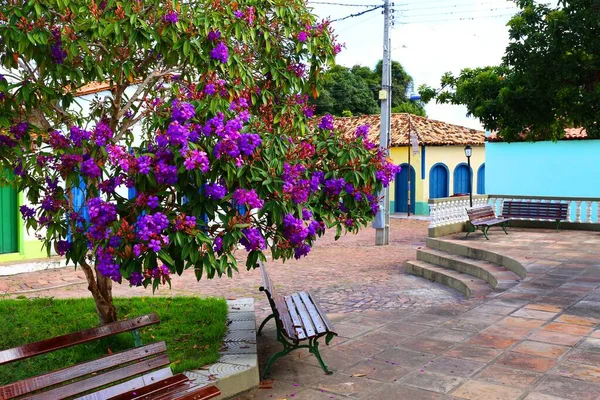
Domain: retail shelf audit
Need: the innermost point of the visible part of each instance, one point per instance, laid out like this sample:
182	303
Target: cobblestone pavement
348	275
537	341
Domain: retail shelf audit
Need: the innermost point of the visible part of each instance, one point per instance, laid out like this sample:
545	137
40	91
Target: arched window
481	179
461	179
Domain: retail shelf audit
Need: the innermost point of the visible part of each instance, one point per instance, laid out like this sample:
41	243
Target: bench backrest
482	213
151	362
535	210
278	304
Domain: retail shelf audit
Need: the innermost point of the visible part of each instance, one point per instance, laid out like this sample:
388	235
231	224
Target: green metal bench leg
274	357
484	230
314	349
504	228
262	325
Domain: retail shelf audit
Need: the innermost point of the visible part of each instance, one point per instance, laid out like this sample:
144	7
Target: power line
457	19
343	4
460	12
453	6
357	14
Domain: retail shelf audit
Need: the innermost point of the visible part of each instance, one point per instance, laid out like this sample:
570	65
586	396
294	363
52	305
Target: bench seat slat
490	221
306	320
159	386
193	392
322	314
314	314
106	378
76	371
72	339
132	384
298	327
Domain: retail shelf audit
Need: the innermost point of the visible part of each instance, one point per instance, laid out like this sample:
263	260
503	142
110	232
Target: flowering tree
207	116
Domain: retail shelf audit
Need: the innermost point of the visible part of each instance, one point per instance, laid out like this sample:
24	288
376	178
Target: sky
429	38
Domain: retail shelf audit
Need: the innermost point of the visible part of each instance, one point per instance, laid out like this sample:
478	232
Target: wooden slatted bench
298	318
536	210
139	373
483	218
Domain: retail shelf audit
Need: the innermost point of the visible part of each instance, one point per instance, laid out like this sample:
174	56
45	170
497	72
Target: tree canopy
205	118
357	89
549	78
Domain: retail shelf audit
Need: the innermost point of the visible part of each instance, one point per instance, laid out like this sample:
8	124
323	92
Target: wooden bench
483	218
139	373
298	318
536	210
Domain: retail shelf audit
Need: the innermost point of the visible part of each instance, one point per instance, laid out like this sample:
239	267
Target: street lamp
468	152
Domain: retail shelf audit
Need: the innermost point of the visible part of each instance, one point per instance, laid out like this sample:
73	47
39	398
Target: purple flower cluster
143	164
182	112
102	133
149	226
373	202
196	159
106	264
19	130
78	135
164	170
218	244
333	187
101	215
249	197
215	191
302	37
136	279
296	232
62	246
294	185
327	122
220	53
214	35
27	212
90	169
363	131
253	240
57	53
57	140
387	173
171	17
183	223
153	202
248	143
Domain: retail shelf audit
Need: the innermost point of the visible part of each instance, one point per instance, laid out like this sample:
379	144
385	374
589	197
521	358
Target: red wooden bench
298	318
536	210
139	373
484	217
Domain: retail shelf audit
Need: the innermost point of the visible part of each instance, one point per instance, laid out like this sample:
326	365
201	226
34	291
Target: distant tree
344	91
548	80
357	89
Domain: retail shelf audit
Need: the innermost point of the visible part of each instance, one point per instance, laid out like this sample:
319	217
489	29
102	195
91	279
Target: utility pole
382	219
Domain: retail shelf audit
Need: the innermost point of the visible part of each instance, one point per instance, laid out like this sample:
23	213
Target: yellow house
437	165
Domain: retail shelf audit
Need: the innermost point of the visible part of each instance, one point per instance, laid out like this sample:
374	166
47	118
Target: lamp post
468	152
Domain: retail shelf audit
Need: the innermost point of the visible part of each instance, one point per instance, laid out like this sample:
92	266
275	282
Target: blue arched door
461	179
401	195
481	179
438	181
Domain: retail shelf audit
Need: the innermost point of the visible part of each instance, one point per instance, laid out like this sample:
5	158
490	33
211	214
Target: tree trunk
101	289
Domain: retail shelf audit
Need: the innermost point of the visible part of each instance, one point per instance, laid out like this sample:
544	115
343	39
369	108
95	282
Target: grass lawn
192	327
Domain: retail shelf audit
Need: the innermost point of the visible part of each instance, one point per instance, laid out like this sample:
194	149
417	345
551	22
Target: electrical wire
453	6
457	19
357	14
460	12
343	4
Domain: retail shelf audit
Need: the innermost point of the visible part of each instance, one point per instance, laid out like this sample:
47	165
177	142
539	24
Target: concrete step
497	276
465	284
465	250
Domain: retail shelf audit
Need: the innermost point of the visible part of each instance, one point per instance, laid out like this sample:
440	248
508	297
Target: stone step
451	246
497	276
463	283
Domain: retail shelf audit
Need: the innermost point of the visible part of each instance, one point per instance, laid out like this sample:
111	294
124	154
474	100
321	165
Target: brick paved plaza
403	337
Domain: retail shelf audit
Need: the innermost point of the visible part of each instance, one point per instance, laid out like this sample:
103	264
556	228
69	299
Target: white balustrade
588	212
578	211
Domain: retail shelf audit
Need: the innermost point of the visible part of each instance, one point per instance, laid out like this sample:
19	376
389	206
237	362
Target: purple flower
214	35
218	244
327	122
90	169
387	173
294	230
196	159
102	133
143	164
19	130
137	249
220	53
362	131
334	187
151	225
155	245
302	37
182	111
249	197
248	143
136	279
181	223
301	251
238	14
177	134
306	214
210	89
106	264
153	202
27	212
253	240
57	53
114	241
57	140
171	17
215	191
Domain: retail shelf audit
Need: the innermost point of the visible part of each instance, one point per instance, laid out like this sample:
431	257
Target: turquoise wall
568	168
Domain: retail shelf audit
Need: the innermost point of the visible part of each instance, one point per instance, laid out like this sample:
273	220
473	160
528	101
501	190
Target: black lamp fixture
468	152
